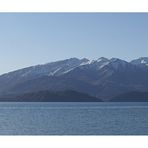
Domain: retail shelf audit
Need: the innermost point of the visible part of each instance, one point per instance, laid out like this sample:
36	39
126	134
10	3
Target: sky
28	39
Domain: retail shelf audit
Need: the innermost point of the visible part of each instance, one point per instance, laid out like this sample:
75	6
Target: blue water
74	118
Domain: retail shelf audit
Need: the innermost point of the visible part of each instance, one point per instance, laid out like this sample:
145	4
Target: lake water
74	118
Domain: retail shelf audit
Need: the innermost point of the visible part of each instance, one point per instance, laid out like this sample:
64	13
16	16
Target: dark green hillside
132	97
48	96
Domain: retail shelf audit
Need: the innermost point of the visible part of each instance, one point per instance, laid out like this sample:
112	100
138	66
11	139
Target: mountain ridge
102	78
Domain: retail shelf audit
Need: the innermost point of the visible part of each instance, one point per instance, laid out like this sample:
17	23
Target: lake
100	118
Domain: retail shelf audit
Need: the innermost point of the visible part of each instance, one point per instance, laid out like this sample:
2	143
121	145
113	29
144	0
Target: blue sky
35	38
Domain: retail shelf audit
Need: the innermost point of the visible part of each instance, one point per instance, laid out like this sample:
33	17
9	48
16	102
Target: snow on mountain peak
102	59
85	61
143	61
99	63
64	66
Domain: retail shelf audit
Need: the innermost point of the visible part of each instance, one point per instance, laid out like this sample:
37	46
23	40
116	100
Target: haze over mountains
103	78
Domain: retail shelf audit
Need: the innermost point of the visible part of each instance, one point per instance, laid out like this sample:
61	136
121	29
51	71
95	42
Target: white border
74	142
73	5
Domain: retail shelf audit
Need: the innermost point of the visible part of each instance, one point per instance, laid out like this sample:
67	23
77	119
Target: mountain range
105	79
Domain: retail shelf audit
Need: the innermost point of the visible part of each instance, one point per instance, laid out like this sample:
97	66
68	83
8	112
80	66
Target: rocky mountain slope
102	78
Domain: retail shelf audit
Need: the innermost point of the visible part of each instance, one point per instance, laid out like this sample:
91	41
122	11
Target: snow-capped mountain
99	63
143	61
53	68
50	69
103	78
